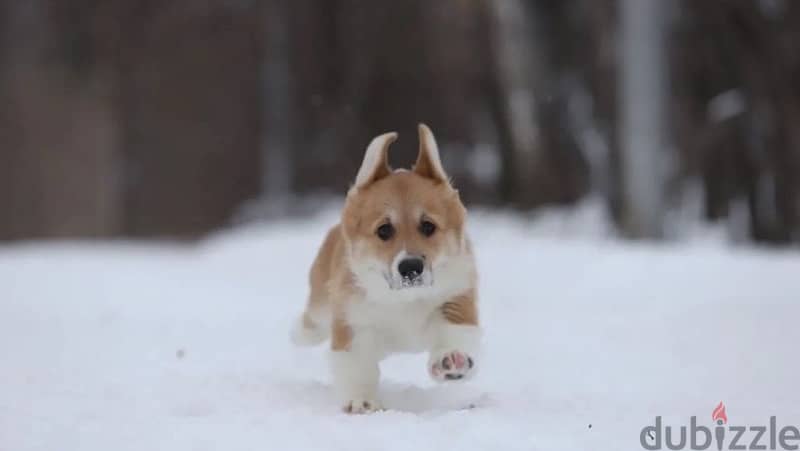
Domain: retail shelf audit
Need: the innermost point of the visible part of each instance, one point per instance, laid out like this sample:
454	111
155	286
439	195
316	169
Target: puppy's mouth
405	283
411	282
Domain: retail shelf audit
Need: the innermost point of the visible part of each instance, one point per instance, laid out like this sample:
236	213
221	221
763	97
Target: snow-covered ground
123	346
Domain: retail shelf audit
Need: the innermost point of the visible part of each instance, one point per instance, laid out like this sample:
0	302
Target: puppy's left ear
428	163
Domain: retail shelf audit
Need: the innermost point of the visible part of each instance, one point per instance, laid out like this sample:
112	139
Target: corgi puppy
397	274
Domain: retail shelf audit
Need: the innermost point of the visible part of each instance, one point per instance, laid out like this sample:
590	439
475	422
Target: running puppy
396	274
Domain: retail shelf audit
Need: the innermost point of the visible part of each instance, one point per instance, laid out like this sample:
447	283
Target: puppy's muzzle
410	270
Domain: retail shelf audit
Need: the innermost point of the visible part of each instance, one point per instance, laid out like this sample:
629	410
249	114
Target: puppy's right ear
376	162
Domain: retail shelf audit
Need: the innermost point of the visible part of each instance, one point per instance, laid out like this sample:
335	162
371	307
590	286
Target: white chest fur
405	320
400	327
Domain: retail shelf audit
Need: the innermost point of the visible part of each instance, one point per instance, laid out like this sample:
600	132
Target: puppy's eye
385	232
427	228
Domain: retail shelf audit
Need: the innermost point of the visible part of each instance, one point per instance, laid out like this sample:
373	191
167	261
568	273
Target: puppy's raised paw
450	366
361	406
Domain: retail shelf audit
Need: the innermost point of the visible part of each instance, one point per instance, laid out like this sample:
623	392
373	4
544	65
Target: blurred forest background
170	118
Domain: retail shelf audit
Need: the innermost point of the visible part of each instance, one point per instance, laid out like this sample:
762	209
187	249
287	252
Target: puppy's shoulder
330	258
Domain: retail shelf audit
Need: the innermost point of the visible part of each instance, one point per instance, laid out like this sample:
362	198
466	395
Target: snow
161	346
726	105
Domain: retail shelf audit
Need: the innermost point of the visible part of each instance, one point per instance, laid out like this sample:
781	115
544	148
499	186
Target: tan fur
341	335
461	309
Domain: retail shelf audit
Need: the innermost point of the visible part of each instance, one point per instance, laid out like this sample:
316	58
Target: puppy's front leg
354	364
455	337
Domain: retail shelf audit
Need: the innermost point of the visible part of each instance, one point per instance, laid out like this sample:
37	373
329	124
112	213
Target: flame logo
719	414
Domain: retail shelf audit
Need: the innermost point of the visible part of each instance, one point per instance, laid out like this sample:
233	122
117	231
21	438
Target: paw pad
361	407
451	366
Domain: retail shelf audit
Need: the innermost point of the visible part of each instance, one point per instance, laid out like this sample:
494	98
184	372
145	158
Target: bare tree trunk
276	106
601	60
642	127
189	81
734	111
518	65
59	165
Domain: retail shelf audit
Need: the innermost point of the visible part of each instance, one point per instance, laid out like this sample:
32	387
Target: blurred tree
161	118
542	163
642	86
276	106
59	158
736	106
189	78
360	69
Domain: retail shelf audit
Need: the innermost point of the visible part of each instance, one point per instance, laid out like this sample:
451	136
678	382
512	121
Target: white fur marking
305	336
449	276
459	337
356	373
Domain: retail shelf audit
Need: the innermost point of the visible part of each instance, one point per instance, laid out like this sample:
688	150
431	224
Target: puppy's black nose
411	268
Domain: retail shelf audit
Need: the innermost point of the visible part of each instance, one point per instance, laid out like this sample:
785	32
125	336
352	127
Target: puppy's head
405	229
